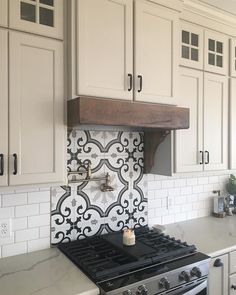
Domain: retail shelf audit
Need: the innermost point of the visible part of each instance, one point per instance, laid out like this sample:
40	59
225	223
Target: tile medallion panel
80	210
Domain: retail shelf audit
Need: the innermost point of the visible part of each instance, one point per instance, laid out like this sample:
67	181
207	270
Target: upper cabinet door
232	129
156	53
105	48
191	50
216	53
37	129
3	108
189	142
43	17
232	60
215	121
3	13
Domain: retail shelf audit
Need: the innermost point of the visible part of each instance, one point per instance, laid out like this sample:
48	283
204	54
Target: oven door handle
196	290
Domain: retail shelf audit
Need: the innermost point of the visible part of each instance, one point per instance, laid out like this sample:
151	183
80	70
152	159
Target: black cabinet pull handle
130	82
218	263
1	164
233	287
15	164
201	153
208	157
140	83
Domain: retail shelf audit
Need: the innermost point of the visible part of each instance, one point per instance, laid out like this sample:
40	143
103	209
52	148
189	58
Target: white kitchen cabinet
232	124
216	53
215	122
218	276
105	48
189	142
3	107
191	50
104	51
36	123
204	146
43	17
156	53
232	59
3	13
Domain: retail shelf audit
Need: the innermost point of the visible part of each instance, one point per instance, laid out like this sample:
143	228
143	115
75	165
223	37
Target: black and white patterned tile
82	210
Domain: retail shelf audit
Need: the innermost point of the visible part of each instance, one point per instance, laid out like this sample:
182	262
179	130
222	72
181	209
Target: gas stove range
156	264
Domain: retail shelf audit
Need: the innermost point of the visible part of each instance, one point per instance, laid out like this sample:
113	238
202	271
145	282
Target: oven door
199	288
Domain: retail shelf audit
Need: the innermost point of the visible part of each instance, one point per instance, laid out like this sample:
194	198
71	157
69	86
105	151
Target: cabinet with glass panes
43	17
203	49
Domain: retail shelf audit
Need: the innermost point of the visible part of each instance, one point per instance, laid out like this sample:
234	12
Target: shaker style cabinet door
105	48
232	124
3	108
215	122
156	53
216	53
3	13
189	142
43	17
37	130
191	49
218	276
232	59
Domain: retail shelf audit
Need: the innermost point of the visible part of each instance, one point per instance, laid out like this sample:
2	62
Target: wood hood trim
107	112
154	119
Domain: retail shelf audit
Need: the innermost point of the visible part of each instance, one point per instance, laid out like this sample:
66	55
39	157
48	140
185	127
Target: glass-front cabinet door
216	53
43	17
191	49
3	13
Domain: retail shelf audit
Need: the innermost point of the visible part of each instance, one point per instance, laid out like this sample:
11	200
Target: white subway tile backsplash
44	208
39	244
19	223
191	195
167	184
27	210
7	241
40	220
26	235
14	249
44	231
39	197
192	181
180	182
14	200
6	212
154	185
198	189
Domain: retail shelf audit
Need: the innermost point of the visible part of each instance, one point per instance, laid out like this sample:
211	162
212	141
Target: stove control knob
164	283
142	290
127	292
196	272
184	276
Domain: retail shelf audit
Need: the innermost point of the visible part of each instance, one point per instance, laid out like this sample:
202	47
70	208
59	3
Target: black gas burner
104	257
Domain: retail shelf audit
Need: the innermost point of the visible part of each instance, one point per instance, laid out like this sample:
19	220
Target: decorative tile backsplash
81	210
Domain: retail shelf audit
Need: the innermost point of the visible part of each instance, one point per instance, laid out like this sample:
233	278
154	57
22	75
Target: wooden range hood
155	120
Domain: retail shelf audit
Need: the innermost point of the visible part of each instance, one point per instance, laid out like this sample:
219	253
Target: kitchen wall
89	211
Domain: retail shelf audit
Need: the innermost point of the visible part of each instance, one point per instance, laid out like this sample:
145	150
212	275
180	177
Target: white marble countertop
211	235
46	272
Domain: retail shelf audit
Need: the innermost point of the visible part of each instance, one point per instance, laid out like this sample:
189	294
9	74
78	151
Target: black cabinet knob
218	263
